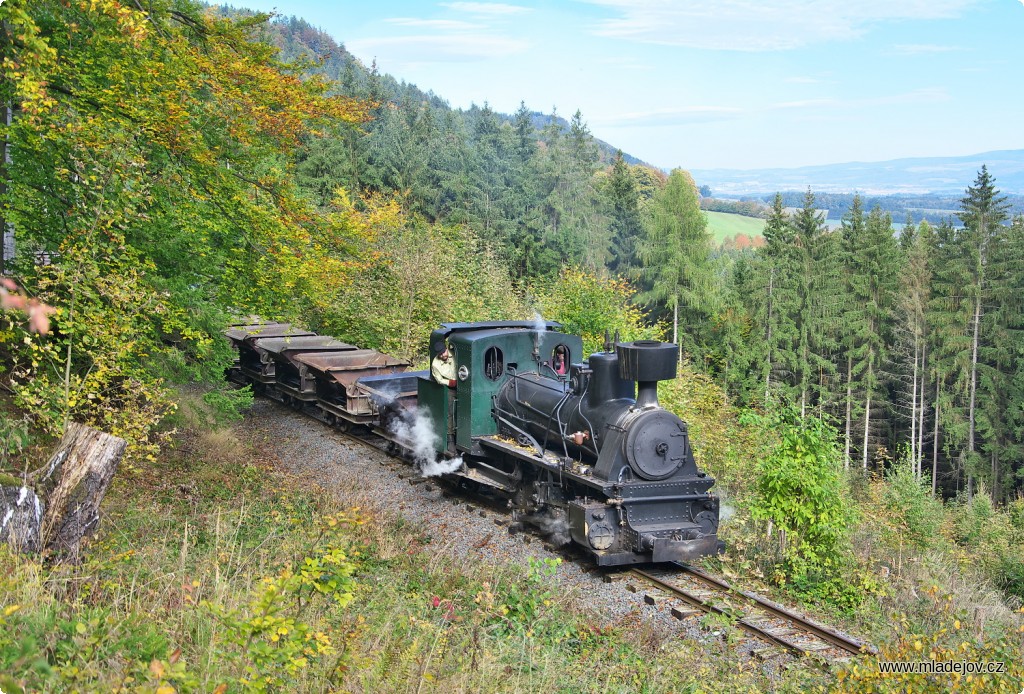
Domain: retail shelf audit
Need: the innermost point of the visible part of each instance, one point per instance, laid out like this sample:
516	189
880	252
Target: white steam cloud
555	528
441	467
539	324
416	432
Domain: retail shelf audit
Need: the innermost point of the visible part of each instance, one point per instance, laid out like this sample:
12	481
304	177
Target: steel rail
706	606
847	643
745	623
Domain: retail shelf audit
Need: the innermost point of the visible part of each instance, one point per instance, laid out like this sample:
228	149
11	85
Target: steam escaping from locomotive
436	468
555	528
417	433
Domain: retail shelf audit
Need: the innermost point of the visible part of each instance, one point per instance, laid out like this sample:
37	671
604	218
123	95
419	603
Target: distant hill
898	176
297	39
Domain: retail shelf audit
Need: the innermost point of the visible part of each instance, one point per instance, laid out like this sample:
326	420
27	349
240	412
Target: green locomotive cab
486	355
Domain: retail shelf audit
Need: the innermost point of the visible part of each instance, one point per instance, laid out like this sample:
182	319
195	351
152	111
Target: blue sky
716	83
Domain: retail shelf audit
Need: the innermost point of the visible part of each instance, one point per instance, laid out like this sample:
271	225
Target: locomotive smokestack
647	362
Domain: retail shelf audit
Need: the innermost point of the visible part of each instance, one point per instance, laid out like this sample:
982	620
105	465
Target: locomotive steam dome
656	444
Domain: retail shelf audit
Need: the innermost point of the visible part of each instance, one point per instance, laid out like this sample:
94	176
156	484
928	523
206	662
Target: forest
169	166
907	341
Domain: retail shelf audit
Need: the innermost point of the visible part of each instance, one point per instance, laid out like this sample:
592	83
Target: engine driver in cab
442	368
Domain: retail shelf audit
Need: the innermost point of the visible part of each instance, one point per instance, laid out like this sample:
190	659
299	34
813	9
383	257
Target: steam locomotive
585	453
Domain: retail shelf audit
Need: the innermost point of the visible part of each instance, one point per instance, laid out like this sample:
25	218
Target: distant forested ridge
912	176
933	207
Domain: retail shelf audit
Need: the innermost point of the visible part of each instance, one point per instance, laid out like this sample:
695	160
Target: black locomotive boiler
584	452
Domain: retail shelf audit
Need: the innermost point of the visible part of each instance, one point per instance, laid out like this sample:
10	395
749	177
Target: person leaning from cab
560	361
442	368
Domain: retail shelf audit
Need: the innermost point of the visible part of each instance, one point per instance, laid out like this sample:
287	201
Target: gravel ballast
465	526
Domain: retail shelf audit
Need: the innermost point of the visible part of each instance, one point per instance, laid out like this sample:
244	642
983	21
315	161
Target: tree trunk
849	409
920	413
995	478
87	460
974	389
768	338
6	229
935	441
867	426
675	326
20	515
914	456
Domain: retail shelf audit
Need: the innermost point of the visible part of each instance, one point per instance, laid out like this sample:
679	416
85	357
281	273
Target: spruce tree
912	330
873	283
674	255
816	309
779	281
851	236
982	212
623	203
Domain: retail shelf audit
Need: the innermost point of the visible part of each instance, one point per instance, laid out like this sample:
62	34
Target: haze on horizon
730	84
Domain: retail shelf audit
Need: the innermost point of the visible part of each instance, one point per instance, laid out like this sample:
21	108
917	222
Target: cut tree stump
85	463
20	516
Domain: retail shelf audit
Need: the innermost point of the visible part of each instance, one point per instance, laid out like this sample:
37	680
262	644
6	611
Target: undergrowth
212	572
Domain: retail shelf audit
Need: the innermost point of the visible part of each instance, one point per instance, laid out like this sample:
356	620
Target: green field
724	225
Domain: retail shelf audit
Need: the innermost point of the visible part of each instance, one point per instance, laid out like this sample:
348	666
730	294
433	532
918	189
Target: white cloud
449	48
438	24
748	25
485	8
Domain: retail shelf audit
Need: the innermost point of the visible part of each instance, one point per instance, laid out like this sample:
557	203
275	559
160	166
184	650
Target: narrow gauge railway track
375	437
756	615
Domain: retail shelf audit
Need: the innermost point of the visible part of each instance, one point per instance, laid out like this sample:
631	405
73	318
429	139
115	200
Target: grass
213	572
724	225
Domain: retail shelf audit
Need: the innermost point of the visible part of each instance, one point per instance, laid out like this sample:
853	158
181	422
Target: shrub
991	539
947	639
588	304
911	516
800	492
